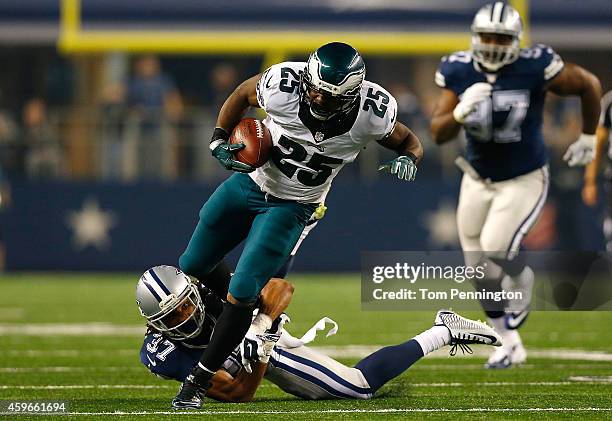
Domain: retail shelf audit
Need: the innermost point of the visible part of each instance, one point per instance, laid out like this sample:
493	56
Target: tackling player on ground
321	114
496	93
181	315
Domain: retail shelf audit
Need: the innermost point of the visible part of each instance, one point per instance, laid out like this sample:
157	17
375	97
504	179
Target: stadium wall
119	227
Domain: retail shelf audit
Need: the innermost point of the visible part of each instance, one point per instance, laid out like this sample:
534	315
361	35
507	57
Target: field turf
75	338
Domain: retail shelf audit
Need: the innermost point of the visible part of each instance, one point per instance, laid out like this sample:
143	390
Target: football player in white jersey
321	113
496	92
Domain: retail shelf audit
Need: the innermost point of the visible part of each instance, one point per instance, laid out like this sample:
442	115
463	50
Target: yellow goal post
275	46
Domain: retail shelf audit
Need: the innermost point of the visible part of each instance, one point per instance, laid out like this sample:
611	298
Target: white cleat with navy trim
506	357
464	332
518	310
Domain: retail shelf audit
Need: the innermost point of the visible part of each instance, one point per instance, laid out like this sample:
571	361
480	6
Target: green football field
76	337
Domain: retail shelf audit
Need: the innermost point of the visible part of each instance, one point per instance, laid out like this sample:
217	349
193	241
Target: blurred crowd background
149	117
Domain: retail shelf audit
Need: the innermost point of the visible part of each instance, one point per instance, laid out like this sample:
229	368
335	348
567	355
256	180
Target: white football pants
493	217
310	374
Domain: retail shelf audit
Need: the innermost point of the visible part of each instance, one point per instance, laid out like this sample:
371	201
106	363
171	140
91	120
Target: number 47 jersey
505	132
308	153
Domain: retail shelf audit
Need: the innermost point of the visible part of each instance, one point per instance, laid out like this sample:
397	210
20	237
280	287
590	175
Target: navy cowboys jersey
505	133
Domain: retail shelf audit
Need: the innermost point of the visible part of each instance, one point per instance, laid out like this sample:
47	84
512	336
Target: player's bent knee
495	248
191	265
187	264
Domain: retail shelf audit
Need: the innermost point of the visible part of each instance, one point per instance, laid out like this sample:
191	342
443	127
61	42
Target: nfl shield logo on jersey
319	136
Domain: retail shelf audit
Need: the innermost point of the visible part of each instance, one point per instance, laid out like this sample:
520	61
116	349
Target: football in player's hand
257	140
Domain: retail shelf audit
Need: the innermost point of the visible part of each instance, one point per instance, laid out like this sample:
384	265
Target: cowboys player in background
589	190
181	315
321	114
496	92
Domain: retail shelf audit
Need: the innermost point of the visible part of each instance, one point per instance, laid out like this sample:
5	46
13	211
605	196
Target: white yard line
352	351
345	351
573	381
68	352
590	379
62	369
130	352
70	329
360	351
334	411
89	386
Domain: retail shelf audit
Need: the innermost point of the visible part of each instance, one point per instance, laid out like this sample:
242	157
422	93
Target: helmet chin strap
486	69
319	117
334	114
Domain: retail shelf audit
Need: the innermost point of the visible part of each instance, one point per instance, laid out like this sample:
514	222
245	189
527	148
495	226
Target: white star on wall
442	225
90	225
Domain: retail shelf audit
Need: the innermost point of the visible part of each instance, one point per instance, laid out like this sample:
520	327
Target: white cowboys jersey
303	163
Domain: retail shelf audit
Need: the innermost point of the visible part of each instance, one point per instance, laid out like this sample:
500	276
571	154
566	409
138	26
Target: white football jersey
303	164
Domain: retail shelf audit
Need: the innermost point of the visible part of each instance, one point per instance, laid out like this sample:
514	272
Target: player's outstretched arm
275	297
409	148
264	333
575	80
443	126
241	388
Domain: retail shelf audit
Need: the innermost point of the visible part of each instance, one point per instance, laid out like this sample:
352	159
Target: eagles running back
320	114
307	152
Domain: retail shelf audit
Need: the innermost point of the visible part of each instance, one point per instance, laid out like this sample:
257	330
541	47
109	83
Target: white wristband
588	137
261	323
216	143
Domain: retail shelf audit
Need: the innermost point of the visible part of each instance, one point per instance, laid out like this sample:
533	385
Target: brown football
257	139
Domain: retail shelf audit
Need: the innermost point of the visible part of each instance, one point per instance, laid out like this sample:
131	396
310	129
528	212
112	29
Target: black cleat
190	395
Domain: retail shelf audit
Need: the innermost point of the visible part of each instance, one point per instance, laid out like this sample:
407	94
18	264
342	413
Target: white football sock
510	337
433	339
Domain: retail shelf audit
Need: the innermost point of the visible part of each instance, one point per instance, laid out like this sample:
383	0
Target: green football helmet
335	70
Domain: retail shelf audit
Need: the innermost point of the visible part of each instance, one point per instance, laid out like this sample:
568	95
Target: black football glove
224	151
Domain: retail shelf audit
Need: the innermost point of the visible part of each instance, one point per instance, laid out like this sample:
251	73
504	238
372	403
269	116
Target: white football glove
260	339
470	99
582	151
